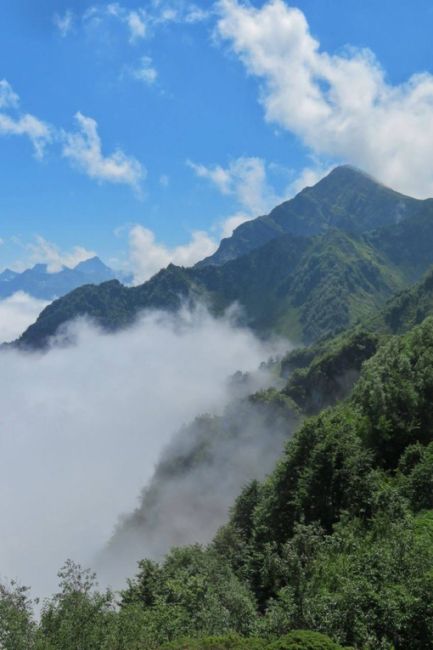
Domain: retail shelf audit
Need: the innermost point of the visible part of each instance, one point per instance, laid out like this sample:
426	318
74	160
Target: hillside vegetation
328	541
338	539
338	252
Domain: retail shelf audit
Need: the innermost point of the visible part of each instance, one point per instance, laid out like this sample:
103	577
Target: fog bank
83	426
16	314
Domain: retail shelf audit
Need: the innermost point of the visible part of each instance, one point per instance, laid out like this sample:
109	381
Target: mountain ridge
38	282
314	209
301	286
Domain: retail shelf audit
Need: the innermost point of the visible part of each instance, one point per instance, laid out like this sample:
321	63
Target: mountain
7	275
304	286
40	283
296	286
407	308
347	199
338	537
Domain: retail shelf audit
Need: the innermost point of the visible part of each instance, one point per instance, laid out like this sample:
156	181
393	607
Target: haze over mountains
38	282
316	264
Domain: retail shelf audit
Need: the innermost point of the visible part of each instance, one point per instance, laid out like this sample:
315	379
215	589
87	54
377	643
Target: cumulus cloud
230	223
147	256
84	149
307	177
246	180
340	105
64	22
16	314
46	252
12	122
83	426
136	24
145	71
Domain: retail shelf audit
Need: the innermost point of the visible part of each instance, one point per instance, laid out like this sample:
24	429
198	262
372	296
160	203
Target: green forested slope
304	286
346	199
337	540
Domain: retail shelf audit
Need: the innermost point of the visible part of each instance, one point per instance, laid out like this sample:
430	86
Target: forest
330	543
331	550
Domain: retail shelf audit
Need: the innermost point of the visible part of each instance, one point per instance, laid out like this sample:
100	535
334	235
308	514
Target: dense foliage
337	541
334	548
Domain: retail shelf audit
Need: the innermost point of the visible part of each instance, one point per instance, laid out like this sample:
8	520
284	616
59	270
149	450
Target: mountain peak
40	283
7	275
351	176
38	268
91	265
347	198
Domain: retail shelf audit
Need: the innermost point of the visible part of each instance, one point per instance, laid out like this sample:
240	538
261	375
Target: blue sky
207	127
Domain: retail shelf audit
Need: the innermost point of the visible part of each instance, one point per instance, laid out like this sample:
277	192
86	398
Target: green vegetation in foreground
337	541
335	548
296	640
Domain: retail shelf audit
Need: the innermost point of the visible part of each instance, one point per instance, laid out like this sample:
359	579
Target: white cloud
341	106
245	179
38	132
77	421
142	22
307	177
195	14
136	20
137	25
43	251
16	314
164	180
232	222
8	98
217	174
147	256
84	148
64	22
145	71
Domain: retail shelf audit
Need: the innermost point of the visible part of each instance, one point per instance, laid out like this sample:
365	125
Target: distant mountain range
315	265
40	283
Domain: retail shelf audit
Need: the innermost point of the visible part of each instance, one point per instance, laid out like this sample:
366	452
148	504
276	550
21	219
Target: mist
17	312
83	425
200	473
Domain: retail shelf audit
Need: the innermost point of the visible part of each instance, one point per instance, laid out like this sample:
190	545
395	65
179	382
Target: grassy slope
346	199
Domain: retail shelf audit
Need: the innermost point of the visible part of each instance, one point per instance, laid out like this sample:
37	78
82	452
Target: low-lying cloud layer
147	255
82	428
18	312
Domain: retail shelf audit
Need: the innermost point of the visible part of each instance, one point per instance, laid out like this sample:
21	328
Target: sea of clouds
82	427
